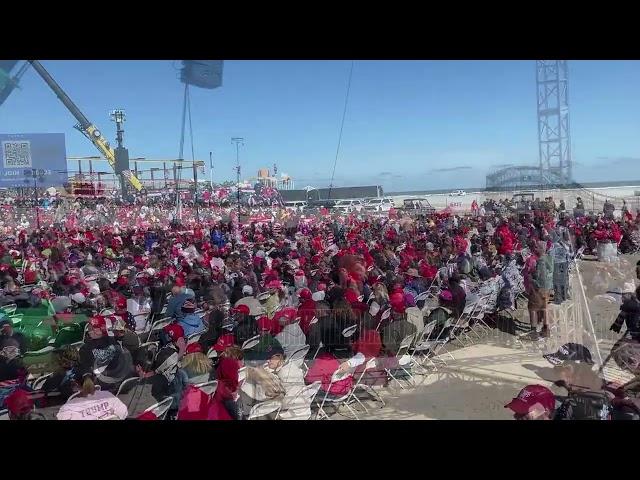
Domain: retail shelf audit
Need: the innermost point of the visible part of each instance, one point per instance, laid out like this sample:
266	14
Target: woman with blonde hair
381	294
197	365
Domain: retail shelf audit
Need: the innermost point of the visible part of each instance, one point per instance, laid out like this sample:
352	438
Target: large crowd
113	311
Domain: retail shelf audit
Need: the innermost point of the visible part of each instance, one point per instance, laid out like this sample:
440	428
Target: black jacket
140	395
629	314
107	360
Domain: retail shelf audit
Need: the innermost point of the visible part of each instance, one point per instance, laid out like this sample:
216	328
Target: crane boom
85	126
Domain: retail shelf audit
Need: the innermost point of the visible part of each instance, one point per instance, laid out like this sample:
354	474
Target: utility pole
238	141
121	153
211	170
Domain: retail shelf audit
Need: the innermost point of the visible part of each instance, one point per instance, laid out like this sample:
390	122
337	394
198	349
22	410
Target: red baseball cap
174	331
530	396
244	309
264	323
194	348
100	322
19	402
305	294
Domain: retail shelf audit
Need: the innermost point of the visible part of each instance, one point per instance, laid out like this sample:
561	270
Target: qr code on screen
16	154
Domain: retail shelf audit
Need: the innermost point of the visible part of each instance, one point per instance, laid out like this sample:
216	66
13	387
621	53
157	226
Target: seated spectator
196	365
224	404
227	338
246	327
267	344
190	322
173	347
20	406
62	379
440	314
458	295
92	404
397	329
127	338
9	337
103	356
150	388
534	402
323	368
179	295
291	337
263	383
306	309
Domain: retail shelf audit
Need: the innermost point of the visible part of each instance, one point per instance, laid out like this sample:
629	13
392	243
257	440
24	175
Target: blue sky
405	121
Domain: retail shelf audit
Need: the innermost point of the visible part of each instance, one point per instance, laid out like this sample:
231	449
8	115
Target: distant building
284	182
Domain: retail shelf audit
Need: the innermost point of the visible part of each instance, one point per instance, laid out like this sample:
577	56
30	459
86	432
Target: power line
344	113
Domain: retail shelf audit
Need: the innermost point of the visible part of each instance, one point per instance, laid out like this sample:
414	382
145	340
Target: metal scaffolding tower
554	140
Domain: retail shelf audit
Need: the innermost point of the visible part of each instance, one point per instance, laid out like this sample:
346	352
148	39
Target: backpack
585	405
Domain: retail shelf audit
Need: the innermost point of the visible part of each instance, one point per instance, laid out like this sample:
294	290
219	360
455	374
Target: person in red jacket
306	310
224	404
323	368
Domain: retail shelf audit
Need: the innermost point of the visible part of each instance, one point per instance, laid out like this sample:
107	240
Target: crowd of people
133	307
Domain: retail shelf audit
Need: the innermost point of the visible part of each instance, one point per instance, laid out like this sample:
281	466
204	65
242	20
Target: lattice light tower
554	140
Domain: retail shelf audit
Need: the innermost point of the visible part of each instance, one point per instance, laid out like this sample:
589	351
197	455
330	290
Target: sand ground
485	376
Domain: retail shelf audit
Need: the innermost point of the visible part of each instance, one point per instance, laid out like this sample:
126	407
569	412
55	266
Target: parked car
379	204
458	193
298	205
418	205
348	206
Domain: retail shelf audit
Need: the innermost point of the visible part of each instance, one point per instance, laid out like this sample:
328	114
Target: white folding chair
386	314
160	409
252	342
148	344
404	359
298	357
208	387
9	308
39	382
264	408
335	401
212	353
423	346
441	341
349	331
194	337
242	376
371	364
298	407
317	351
147	316
159	325
127	385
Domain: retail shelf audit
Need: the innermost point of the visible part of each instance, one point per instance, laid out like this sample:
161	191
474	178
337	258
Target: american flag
330	240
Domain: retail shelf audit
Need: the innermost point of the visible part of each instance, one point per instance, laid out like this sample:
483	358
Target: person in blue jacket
190	322
217	238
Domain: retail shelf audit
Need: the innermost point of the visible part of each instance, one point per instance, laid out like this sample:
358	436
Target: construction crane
119	158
